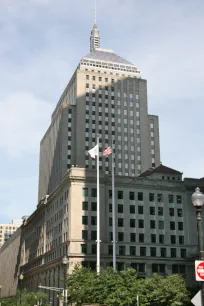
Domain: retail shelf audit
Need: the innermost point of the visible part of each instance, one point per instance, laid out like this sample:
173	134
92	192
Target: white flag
94	152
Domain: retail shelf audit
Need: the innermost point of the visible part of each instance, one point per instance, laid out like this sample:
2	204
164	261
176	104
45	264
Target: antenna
94	11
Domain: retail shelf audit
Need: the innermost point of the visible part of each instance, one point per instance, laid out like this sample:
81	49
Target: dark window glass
87	85
120	208
84	205
93	206
93	78
151	197
152	211
93	192
110	194
132	250
180	226
159	198
132	222
163	252
132	209
93	220
85	192
132	237
93	235
140	210
175	269
110	222
141	237
131	195
87	77
180	212
160	211
173	252
142	251
182	269
120	195
153	238
155	268
183	253
141	267
84	220
120	236
173	239
178	199
121	250
111	236
171	198
181	239
152	224
110	250
153	252
140	196
171	212
85	235
110	207
93	249
84	248
161	239
120	222
172	225
161	225
141	223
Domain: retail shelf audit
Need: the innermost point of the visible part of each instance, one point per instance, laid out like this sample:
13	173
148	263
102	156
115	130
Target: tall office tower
7	230
105	96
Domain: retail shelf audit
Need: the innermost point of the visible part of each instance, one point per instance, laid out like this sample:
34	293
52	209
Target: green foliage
121	289
28	299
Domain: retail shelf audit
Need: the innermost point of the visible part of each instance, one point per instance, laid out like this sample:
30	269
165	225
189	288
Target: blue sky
41	43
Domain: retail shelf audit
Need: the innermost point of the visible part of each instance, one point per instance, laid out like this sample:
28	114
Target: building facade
7	230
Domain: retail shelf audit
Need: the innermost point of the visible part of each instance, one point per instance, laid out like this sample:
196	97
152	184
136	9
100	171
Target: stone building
7	230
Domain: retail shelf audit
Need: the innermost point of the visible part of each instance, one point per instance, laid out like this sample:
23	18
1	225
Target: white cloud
24	120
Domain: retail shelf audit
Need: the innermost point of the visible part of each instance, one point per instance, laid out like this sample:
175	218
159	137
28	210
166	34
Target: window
84	220
173	252
93	78
110	222
93	206
85	235
121	250
141	237
132	237
110	194
161	225
87	77
132	250
140	210
132	209
110	250
173	239
153	252
140	196
180	226
100	79
120	222
179	199
131	195
141	223
163	252
161	239
110	207
93	235
106	80
180	212
159	198
110	236
93	192
158	268
93	220
181	239
171	212
120	208
152	211
93	249
142	251
171	198
153	238
183	253
160	211
152	224
132	222
179	269
141	267
120	195
84	248
84	205
85	192
172	225
120	236
151	197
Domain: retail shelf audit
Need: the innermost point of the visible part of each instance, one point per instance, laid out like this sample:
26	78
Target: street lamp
21	277
198	201
65	261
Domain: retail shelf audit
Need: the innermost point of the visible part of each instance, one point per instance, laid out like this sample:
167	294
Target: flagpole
98	212
113	208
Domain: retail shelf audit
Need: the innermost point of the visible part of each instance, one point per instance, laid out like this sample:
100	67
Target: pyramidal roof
160	169
100	54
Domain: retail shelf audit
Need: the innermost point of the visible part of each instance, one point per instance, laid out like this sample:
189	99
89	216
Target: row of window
122	251
140	196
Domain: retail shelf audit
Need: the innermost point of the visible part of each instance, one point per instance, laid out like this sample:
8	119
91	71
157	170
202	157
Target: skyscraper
107	96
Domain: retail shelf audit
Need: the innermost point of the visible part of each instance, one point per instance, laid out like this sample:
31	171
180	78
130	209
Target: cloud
24	121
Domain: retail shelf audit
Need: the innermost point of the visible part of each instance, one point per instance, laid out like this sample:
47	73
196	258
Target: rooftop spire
95	35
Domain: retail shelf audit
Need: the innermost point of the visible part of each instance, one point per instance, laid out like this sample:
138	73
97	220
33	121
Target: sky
41	44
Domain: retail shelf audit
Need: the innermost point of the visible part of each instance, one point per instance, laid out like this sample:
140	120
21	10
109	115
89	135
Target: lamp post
65	263
21	277
198	201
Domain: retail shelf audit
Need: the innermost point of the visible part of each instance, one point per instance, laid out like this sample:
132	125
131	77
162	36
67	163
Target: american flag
107	151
